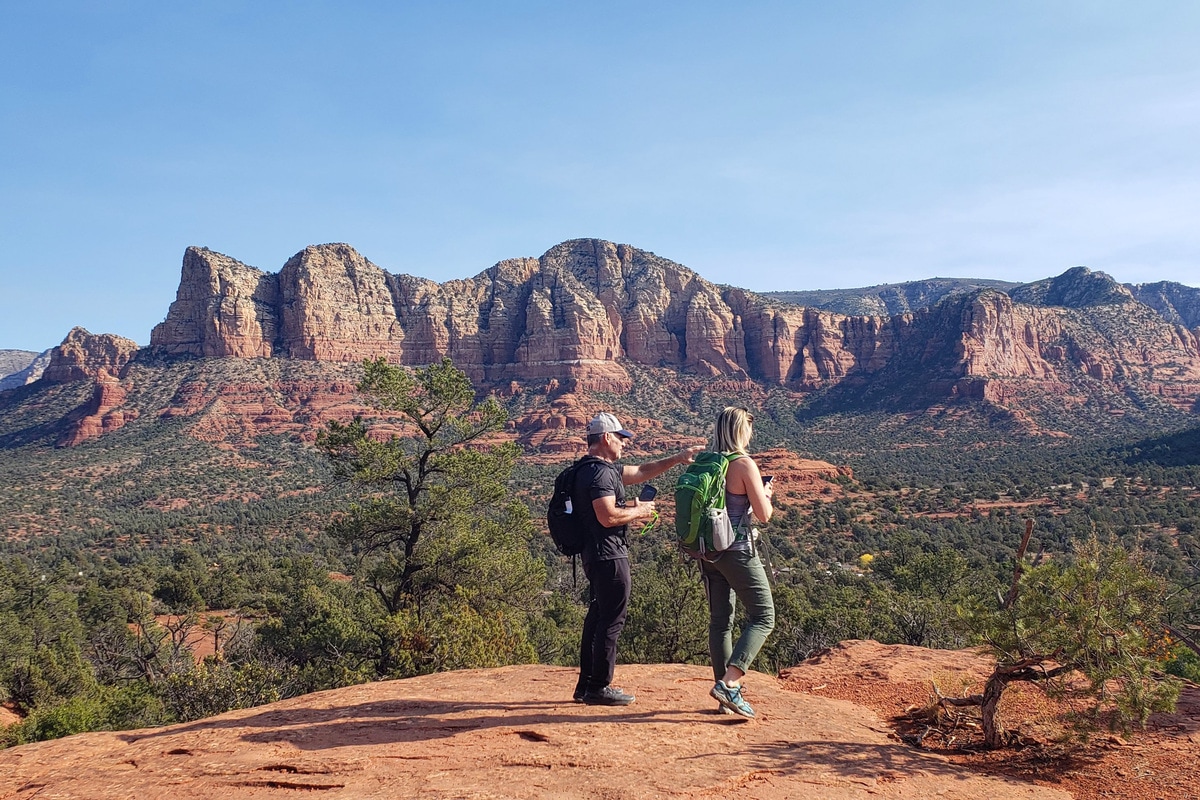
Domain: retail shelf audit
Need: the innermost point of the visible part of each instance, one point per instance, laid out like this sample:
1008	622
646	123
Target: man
599	494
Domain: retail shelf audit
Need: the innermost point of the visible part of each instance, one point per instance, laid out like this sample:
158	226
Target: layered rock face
83	356
585	307
570	315
102	359
336	306
222	308
103	414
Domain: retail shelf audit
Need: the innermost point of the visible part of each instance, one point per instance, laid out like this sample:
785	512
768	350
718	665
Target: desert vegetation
367	556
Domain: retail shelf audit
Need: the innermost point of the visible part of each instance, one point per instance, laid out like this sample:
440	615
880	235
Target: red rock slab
8	716
511	732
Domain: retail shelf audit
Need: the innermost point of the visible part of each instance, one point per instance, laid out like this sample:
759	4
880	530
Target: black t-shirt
598	478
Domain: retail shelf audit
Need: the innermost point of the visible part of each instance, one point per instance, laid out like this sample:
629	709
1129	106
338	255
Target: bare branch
1018	565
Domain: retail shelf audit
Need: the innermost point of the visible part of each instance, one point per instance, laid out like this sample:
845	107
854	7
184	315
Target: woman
737	573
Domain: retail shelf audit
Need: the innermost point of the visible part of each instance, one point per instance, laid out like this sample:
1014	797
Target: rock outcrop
222	308
102	359
103	414
511	732
83	356
587	307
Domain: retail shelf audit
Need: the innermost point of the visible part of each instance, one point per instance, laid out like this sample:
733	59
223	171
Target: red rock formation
1124	344
237	411
222	308
996	342
798	478
83	356
103	414
337	306
587	307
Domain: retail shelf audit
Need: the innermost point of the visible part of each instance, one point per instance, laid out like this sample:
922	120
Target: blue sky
771	145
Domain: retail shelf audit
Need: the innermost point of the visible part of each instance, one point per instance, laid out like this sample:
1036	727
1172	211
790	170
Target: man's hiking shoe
608	696
725	711
578	696
731	697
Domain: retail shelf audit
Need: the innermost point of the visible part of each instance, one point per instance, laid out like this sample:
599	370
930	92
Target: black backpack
568	530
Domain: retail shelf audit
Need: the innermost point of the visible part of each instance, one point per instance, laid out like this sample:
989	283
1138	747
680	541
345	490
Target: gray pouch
723	533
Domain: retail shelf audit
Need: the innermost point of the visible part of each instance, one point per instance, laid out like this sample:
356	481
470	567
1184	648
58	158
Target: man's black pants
609	582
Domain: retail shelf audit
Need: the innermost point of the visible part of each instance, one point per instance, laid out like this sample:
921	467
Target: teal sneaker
731	697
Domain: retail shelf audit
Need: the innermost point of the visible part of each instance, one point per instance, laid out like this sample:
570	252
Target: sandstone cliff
102	414
223	308
586	307
569	315
83	355
102	359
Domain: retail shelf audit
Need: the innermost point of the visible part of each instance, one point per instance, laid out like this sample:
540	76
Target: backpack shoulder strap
574	468
583	462
729	459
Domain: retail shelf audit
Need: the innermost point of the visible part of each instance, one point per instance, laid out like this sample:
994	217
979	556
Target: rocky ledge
511	732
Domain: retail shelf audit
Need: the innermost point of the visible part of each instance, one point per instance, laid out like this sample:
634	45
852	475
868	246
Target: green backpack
701	522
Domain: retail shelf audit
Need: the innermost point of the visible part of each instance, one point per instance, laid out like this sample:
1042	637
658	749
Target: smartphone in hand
647	494
767	479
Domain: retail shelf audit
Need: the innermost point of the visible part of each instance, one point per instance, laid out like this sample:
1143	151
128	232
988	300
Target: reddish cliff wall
577	312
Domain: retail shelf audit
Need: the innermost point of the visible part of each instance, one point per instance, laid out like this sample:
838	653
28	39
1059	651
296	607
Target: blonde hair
733	430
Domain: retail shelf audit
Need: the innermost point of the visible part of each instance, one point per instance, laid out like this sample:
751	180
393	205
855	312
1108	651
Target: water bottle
570	506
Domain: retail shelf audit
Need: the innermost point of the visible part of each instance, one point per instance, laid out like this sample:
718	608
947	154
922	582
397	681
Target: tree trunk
992	732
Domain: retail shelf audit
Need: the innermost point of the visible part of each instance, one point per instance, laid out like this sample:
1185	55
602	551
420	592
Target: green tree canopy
439	531
1099	615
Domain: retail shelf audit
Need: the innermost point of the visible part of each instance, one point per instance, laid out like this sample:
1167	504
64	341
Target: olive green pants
736	575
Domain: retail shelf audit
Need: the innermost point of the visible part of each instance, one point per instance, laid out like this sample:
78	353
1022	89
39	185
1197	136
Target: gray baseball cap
607	423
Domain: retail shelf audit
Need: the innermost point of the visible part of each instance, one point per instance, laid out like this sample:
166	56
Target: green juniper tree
440	539
1099	616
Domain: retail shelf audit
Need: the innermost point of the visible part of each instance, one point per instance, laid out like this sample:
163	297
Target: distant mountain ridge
887	299
21	367
1175	302
583	315
12	361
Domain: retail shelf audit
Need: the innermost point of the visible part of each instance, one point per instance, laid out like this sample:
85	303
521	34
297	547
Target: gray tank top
738	506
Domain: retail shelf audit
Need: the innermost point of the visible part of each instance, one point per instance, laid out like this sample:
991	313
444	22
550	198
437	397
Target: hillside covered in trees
128	556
